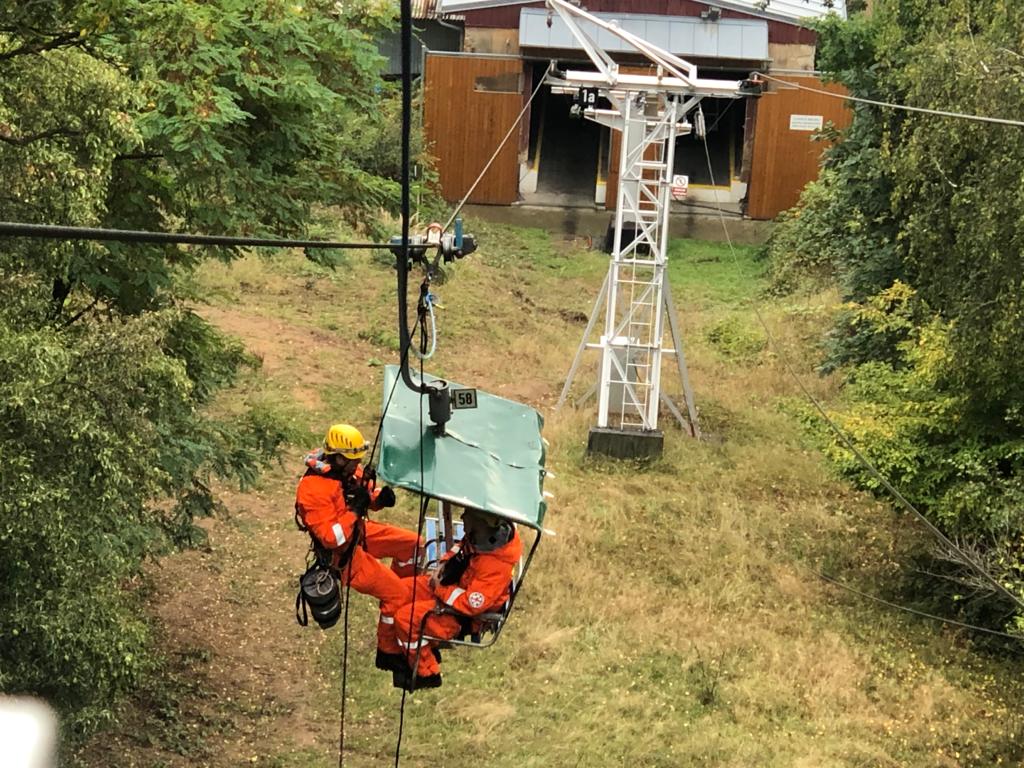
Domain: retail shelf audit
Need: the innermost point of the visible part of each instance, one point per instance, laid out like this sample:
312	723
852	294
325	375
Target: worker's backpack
320	595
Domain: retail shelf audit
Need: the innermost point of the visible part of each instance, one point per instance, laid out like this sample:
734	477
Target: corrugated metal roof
745	39
783	10
428	9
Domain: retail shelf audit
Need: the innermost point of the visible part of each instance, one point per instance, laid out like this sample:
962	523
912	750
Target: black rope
55	232
424	501
406	39
344	660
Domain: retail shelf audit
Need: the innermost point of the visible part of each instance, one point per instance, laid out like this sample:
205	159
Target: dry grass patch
675	619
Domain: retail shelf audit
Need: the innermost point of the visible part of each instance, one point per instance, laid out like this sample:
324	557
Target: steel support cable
891	105
55	232
914	611
840	433
769	546
501	146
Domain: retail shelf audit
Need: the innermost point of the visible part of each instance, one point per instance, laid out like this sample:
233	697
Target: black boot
390	662
403	679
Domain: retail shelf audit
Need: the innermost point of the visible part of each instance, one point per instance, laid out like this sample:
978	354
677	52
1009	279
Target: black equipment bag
320	595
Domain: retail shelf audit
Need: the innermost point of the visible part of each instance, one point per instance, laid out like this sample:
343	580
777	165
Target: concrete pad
626	443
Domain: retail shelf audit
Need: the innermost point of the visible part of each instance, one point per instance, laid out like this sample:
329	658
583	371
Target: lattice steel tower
650	112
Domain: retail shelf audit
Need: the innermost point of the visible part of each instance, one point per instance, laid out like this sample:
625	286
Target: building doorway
564	153
723	119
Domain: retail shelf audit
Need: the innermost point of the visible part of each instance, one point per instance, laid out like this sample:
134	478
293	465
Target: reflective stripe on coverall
320	502
483	588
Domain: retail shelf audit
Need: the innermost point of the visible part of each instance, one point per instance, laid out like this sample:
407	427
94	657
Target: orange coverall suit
320	503
482	588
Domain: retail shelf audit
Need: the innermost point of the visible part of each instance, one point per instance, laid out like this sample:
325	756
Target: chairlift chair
490	457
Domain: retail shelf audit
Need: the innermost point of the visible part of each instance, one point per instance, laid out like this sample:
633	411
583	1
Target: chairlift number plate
587	97
463	398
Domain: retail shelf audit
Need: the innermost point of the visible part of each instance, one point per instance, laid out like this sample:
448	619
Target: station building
762	152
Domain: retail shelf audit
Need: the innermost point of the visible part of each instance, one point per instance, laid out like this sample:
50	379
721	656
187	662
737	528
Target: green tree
228	116
921	217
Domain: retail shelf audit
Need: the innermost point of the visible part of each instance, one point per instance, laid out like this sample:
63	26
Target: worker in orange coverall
474	578
331	502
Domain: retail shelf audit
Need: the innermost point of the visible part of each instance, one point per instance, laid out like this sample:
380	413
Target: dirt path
224	612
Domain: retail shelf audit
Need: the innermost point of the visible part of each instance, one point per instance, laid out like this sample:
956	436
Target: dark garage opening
724	119
565	149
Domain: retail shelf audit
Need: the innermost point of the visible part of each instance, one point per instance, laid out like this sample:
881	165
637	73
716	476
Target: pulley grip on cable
449	246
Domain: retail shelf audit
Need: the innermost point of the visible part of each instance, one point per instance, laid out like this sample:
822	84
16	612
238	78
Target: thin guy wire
915	611
840	433
890	105
57	232
498	150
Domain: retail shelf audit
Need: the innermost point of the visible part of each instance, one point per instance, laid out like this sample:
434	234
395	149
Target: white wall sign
806	122
680	187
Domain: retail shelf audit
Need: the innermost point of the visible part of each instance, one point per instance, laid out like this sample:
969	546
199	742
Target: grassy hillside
674	620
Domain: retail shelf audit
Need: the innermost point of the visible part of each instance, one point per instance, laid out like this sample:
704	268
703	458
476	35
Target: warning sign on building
806	122
680	187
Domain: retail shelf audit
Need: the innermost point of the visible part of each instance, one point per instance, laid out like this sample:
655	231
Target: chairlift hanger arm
675	75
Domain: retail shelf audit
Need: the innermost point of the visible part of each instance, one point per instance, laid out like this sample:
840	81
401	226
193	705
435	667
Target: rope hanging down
344	663
55	232
890	105
526	106
839	432
412	604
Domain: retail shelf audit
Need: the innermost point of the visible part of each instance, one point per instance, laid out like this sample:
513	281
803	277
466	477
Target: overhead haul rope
890	105
54	232
501	146
838	431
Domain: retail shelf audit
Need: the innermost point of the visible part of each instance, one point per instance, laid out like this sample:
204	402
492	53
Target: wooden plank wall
464	126
786	160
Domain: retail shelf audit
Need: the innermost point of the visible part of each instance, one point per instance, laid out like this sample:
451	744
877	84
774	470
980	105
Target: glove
358	500
386	497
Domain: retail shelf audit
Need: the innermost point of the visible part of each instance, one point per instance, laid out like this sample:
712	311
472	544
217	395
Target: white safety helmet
485	530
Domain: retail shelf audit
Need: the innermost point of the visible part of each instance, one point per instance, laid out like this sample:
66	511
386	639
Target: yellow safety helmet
346	440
